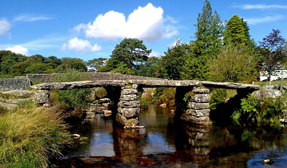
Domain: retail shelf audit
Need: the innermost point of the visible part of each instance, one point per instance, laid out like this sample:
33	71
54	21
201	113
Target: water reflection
169	142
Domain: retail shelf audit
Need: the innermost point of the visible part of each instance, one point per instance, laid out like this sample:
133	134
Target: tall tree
96	63
273	51
237	31
207	44
170	65
127	56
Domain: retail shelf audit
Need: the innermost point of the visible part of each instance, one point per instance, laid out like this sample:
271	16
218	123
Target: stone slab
129	104
201	98
198	113
129	112
132	97
197	106
200	91
129	91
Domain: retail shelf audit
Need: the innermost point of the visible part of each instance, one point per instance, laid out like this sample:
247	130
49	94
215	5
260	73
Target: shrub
260	110
101	92
76	98
30	136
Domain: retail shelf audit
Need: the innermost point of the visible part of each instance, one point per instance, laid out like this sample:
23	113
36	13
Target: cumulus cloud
80	46
260	6
145	23
19	50
30	18
255	21
4	26
154	54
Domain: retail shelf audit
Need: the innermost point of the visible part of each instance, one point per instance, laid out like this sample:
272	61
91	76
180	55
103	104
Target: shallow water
166	142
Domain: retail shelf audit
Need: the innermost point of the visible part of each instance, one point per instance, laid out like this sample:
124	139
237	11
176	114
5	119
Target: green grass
30	135
277	82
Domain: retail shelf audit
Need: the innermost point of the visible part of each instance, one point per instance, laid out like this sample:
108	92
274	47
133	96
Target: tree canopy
273	52
127	56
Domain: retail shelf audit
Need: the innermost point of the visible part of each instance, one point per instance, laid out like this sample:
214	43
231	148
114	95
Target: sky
89	29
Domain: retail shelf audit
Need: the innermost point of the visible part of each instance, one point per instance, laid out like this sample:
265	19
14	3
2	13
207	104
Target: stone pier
197	111
128	107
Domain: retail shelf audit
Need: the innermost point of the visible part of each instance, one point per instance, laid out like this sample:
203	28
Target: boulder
267	93
107	113
162	105
129	112
41	96
19	93
104	100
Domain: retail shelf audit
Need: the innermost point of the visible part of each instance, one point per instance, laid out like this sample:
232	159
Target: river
166	142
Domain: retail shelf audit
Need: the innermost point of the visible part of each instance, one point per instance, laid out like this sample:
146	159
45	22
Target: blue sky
90	29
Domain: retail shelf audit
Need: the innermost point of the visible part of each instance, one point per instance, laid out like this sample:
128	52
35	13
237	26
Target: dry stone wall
14	84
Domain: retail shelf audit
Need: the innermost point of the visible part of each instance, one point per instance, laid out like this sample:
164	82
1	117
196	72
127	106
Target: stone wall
45	78
14	84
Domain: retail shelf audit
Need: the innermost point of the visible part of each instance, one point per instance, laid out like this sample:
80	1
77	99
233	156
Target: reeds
30	135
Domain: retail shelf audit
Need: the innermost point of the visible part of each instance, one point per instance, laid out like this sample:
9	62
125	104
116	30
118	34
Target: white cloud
170	19
80	46
154	54
260	6
4	26
19	50
30	18
145	23
255	21
80	27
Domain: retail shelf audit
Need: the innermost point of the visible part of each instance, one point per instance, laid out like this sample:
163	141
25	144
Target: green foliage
30	135
101	92
164	95
206	46
260	110
218	96
170	65
148	68
187	96
236	32
127	56
72	63
96	63
76	98
232	64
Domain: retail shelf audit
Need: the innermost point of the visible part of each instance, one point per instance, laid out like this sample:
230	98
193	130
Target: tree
232	64
207	44
96	63
72	63
237	31
149	68
273	53
170	65
127	56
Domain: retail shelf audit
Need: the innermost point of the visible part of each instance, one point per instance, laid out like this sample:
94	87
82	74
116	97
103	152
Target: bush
30	136
101	92
76	98
164	95
260	110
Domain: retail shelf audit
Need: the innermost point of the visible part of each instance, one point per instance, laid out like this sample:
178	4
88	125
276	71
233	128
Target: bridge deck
144	83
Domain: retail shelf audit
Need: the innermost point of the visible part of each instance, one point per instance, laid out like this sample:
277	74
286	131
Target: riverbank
31	135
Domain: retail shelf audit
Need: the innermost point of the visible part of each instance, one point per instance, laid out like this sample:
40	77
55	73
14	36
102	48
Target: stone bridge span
125	94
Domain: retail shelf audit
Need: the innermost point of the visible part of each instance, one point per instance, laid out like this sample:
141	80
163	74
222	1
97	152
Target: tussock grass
30	135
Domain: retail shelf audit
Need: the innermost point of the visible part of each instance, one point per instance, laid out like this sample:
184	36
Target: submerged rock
75	136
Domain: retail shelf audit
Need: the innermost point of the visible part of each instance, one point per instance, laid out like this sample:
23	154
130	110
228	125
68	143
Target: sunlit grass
30	135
